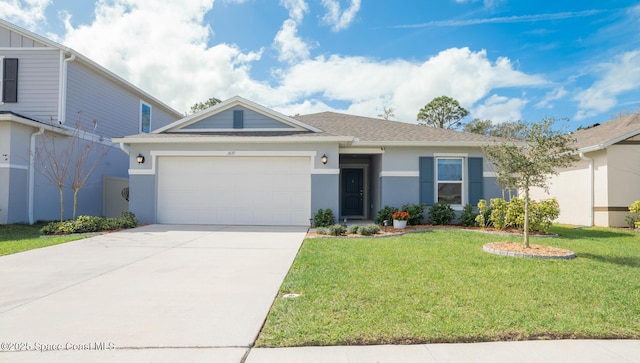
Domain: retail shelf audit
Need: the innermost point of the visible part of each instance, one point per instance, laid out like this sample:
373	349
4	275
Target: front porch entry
357	184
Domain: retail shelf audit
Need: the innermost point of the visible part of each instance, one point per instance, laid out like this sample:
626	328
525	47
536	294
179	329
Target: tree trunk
61	204
526	218
75	203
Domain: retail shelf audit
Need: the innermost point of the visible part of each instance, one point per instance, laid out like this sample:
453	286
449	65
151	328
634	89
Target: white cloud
367	84
289	46
500	109
28	13
553	95
338	19
616	77
172	62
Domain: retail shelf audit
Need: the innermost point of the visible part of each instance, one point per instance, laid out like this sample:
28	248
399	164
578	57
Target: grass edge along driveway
16	238
439	286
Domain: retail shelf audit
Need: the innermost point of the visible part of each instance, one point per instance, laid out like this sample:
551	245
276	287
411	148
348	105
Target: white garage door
234	190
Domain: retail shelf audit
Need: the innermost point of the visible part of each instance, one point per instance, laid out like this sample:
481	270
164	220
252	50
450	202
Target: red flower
400	216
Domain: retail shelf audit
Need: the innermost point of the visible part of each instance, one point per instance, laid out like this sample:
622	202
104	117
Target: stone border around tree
567	256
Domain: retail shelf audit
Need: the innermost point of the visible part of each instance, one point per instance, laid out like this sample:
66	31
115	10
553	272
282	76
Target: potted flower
400	219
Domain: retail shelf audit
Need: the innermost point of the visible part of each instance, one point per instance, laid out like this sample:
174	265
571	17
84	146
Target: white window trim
142	103
1	78
462	182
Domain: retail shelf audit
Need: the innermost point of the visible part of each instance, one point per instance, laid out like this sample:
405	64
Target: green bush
369	230
415	211
385	213
441	213
634	221
322	231
337	230
503	214
468	216
354	229
483	219
324	218
87	224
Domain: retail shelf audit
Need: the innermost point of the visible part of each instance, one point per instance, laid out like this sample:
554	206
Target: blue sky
502	59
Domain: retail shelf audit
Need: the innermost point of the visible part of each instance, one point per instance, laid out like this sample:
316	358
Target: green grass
16	238
439	286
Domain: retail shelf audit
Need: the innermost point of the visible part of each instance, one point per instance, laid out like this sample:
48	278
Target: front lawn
23	237
439	286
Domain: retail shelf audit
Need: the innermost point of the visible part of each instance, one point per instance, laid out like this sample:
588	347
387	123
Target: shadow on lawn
587	233
618	260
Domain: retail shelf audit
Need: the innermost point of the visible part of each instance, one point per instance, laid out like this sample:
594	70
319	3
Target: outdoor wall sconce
324	158
140	159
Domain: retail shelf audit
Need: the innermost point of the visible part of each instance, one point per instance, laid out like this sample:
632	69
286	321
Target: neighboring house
599	189
241	163
49	90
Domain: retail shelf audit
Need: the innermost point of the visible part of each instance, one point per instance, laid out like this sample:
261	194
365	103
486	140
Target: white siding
10	39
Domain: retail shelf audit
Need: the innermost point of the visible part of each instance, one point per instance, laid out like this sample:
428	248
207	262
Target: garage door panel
234	190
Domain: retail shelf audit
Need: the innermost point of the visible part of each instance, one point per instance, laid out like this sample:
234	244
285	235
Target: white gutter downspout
591	188
62	105
32	169
124	149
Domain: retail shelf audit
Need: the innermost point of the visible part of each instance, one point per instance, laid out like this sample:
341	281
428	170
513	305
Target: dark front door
352	192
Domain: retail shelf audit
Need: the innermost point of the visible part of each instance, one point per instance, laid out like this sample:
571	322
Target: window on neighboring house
9	80
145	117
449	180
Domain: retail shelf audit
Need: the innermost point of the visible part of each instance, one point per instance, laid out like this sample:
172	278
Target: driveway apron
158	286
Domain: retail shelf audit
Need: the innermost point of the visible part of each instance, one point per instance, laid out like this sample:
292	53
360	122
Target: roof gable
223	117
608	133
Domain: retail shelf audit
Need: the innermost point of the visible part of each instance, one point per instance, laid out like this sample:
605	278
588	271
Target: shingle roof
608	133
378	130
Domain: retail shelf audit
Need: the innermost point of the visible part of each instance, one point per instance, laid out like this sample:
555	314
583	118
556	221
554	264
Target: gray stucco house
241	163
49	91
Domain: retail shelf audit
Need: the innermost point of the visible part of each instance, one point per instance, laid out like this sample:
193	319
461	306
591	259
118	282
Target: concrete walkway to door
155	293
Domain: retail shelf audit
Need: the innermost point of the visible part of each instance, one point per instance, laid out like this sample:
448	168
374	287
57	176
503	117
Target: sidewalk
536	351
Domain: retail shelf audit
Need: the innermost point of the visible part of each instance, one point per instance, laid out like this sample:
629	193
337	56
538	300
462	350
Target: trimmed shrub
441	213
385	213
354	229
87	224
369	230
324	218
337	230
322	231
503	214
483	219
634	221
416	212
468	216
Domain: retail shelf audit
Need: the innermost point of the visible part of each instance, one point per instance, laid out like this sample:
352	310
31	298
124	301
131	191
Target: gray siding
142	197
324	193
224	120
397	191
91	96
38	83
11	39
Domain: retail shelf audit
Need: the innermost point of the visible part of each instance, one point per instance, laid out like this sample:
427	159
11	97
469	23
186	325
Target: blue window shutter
426	181
238	119
476	187
10	80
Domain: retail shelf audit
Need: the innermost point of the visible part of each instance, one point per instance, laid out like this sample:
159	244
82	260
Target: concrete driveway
156	293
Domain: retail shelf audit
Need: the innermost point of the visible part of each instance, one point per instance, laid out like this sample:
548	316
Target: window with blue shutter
426	180
238	119
10	80
476	177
